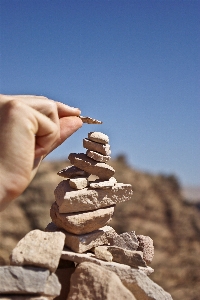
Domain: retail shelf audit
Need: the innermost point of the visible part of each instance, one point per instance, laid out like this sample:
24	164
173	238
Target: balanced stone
71	172
70	200
28	280
97	156
97	147
39	248
98	137
78	183
81	222
82	243
91	166
146	246
99	184
69	255
131	258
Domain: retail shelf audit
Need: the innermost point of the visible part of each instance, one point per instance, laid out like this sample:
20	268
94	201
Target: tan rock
89	120
93	282
98	137
91	166
39	248
139	283
97	147
146	246
78	183
82	243
70	200
71	172
131	258
97	156
90	257
101	252
82	222
99	184
126	240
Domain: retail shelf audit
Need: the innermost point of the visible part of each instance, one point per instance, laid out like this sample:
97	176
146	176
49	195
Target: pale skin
30	128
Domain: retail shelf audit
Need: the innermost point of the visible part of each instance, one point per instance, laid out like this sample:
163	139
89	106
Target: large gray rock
39	248
83	242
28	280
83	222
93	282
131	258
97	147
91	166
70	200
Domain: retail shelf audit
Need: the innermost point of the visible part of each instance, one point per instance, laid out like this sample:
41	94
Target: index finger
65	110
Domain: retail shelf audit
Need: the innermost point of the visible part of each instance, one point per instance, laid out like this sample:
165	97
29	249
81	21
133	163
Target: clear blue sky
135	65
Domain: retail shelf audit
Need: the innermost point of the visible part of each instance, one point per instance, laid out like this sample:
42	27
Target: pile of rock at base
78	248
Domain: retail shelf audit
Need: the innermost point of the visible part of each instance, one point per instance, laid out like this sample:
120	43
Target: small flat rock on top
89	120
91	166
97	147
70	200
28	280
98	137
39	248
71	172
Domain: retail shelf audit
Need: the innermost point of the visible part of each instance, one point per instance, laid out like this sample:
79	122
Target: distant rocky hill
157	209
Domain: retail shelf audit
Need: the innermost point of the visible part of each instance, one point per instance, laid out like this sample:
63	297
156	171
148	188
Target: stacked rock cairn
78	248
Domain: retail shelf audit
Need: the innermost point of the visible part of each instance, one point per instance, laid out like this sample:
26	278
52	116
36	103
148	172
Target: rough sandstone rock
93	282
39	248
69	255
130	240
83	242
28	280
82	222
97	156
98	137
131	258
97	147
70	200
78	183
99	184
71	172
140	284
91	166
146	246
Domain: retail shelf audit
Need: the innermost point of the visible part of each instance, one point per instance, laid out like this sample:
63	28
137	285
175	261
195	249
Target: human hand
31	127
